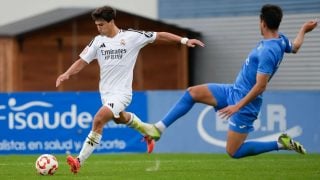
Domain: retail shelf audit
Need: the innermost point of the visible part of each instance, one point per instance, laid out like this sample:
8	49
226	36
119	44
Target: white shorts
116	102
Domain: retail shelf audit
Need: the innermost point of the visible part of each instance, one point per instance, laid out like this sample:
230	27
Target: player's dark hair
271	15
106	13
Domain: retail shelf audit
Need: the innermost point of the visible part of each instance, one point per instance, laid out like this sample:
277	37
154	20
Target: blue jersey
265	58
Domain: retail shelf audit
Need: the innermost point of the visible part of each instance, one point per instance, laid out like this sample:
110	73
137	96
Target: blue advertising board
35	123
51	122
201	130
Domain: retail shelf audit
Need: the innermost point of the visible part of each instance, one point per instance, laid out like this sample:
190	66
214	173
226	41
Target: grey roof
56	16
41	20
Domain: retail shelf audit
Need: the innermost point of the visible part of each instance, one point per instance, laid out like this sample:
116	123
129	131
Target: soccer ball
46	164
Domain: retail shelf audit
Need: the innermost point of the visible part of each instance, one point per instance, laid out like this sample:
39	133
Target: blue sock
252	148
184	104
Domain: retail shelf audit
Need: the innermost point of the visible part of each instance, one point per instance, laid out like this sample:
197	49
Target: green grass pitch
170	166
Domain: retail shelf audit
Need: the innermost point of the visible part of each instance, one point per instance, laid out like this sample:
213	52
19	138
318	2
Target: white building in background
15	10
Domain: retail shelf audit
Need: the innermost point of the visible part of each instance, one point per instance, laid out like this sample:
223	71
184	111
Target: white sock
280	146
89	145
160	126
129	123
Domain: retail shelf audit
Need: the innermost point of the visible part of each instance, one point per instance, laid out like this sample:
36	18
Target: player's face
103	27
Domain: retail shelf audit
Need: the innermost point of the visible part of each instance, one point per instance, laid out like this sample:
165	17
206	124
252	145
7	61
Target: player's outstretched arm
73	69
169	37
306	27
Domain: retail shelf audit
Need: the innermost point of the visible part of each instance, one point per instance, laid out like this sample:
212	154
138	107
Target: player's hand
194	42
228	111
61	78
310	25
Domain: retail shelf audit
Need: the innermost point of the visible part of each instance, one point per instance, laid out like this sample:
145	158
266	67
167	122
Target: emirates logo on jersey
123	42
112	54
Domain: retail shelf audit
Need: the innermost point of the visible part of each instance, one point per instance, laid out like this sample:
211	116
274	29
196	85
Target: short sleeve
89	53
286	43
144	37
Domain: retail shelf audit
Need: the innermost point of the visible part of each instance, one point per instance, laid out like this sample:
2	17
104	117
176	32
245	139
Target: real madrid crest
122	42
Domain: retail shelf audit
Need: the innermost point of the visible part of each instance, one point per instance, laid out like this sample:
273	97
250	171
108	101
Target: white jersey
116	57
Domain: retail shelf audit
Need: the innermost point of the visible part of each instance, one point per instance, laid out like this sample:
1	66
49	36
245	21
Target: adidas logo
90	143
111	105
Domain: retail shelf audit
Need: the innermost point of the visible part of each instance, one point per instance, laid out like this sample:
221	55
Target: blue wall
177	9
59	122
34	123
200	130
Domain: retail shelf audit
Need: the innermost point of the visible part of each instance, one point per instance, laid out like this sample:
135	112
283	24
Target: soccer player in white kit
116	51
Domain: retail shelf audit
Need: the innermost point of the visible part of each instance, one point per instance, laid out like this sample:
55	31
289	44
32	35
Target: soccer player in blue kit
240	102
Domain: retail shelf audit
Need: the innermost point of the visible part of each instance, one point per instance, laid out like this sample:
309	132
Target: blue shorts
241	121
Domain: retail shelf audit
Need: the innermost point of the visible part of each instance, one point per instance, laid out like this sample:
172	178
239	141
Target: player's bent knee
229	153
193	93
233	154
117	121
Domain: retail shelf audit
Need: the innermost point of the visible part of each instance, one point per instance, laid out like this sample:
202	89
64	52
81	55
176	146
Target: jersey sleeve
89	53
144	37
287	43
